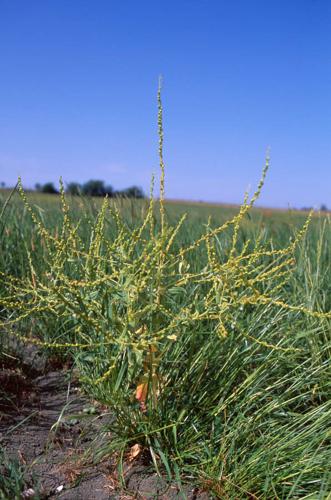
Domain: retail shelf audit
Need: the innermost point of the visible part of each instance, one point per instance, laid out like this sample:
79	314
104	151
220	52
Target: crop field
202	340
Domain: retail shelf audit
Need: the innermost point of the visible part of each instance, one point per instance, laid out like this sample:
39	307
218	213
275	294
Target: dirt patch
50	426
50	432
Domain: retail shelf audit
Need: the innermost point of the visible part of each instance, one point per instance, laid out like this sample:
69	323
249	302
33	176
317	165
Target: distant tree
3	184
133	192
109	190
49	188
323	208
94	188
37	186
74	188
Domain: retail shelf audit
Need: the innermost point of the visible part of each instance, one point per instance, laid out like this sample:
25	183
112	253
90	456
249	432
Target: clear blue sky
78	84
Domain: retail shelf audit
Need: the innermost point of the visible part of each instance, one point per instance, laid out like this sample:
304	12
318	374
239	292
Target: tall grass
211	346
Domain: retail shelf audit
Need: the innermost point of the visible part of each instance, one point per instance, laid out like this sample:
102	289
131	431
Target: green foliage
11	478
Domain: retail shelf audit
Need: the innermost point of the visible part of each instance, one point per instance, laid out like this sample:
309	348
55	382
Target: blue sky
78	95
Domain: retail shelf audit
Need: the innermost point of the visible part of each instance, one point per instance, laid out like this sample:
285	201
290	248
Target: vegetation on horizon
212	350
93	187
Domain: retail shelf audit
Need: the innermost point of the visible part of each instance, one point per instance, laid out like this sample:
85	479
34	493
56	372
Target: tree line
92	187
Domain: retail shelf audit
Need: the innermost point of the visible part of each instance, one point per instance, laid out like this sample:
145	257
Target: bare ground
48	425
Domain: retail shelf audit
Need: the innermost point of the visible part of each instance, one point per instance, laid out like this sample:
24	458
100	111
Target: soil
48	425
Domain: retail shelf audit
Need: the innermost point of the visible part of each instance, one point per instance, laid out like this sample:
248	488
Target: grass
12	482
11	479
207	336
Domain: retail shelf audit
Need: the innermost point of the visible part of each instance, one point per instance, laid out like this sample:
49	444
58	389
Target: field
163	349
213	363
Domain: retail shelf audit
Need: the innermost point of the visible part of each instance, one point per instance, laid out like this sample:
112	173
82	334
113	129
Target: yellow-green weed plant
124	300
